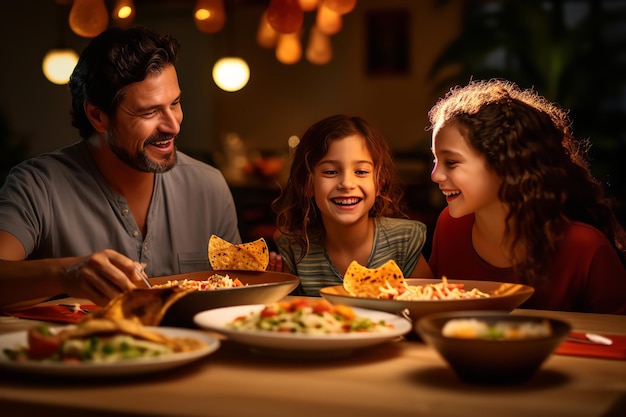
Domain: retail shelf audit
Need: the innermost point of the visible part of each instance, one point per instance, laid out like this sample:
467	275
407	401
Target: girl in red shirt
522	204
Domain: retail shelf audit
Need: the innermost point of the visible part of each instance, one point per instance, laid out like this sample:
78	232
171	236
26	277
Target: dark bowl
260	287
502	297
492	361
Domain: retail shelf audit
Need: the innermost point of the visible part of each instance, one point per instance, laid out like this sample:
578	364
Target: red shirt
586	274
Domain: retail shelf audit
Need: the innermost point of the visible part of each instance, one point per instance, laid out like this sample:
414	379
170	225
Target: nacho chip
143	305
96	326
251	256
360	281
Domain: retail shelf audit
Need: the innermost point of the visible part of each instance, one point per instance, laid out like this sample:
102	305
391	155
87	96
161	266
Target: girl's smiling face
344	185
462	173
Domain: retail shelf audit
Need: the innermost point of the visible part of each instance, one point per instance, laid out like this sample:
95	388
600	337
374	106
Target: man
81	220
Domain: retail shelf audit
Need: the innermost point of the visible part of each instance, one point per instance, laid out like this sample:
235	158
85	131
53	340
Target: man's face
145	126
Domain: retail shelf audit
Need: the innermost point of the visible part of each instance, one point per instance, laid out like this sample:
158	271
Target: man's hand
100	276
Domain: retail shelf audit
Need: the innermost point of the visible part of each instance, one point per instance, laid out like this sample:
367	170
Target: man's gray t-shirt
59	205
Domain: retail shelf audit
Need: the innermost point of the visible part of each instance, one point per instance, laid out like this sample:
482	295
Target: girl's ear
99	120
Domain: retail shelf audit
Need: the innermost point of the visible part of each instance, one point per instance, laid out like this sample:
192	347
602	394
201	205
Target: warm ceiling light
319	51
308	5
266	36
58	65
288	48
340	6
209	15
88	18
231	73
328	20
124	13
285	16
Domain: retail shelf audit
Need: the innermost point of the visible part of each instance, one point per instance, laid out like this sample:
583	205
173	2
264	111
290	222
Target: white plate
126	367
300	344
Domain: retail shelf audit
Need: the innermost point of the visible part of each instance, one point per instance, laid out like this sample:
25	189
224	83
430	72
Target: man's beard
141	161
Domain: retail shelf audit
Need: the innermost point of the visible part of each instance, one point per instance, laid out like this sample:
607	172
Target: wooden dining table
397	378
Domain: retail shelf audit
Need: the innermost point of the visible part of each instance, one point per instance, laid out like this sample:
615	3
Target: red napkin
64	313
615	351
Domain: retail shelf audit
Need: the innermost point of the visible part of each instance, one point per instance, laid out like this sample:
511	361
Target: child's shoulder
584	233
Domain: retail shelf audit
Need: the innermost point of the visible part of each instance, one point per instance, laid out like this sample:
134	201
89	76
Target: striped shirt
399	239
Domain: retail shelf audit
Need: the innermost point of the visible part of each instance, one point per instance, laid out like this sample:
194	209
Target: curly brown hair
297	215
546	181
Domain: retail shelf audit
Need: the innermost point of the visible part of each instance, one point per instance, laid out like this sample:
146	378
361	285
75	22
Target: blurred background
386	60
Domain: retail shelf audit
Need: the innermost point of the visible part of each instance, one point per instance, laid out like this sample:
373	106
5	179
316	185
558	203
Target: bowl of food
385	289
222	288
429	296
488	347
238	276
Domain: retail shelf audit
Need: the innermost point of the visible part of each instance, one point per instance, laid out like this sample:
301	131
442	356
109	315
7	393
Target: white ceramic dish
127	367
298	344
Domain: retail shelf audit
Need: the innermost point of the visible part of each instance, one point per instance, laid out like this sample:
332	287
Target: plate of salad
304	327
37	351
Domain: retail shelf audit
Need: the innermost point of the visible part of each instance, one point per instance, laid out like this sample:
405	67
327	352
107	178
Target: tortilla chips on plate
360	281
251	256
147	306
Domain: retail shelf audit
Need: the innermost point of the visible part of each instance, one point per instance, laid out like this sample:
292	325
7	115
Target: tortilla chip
360	281
251	256
98	326
146	306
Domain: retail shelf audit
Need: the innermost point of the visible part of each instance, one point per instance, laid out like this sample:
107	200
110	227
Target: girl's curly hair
546	182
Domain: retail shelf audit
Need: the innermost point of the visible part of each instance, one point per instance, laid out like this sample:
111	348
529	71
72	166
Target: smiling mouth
451	195
346	201
161	143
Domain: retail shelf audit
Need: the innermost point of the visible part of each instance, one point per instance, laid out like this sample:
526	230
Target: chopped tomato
345	311
322	306
284	305
269	312
298	304
42	343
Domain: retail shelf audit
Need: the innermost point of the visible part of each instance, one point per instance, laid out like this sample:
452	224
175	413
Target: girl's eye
361	172
450	163
329	172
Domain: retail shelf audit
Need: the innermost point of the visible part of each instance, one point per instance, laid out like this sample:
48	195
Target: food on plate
113	333
471	328
251	256
361	281
387	283
301	315
146	306
213	282
98	340
440	291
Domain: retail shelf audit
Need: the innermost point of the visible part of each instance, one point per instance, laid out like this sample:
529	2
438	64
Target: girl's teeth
346	202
